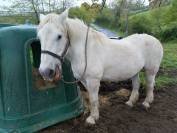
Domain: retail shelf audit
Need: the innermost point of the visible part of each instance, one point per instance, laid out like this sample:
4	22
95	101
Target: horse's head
53	36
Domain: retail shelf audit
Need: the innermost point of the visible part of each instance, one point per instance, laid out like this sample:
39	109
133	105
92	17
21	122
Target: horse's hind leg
150	81
135	92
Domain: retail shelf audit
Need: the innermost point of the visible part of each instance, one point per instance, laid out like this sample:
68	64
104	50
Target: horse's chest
77	70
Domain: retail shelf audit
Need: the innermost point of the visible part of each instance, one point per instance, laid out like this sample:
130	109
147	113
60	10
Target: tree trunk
35	11
49	6
64	5
127	12
102	5
118	12
42	6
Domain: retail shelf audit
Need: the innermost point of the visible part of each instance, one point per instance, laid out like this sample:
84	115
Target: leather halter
61	58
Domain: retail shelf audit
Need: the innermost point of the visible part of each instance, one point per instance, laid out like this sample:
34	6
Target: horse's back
146	43
122	59
149	47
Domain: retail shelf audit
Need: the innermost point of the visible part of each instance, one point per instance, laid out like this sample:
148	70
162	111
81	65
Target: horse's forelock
50	18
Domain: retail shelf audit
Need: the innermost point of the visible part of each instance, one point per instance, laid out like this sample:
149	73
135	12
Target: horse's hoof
146	105
90	120
151	99
129	103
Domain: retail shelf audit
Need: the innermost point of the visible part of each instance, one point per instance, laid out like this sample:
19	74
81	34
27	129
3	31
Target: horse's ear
64	14
41	17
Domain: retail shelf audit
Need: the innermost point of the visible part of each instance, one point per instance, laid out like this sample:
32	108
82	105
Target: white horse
107	60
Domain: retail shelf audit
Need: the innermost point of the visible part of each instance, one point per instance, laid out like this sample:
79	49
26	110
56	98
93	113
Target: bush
86	12
139	24
105	18
174	3
169	33
80	13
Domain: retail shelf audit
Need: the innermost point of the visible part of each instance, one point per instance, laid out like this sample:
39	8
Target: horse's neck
77	29
77	35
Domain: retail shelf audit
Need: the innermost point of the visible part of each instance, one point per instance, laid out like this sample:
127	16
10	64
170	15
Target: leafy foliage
160	22
86	12
169	33
140	24
105	18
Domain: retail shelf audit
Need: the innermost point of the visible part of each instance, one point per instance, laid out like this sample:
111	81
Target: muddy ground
116	117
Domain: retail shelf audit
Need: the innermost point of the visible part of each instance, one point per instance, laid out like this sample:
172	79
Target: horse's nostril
47	73
51	72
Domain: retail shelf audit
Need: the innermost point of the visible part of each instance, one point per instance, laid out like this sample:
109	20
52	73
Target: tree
118	6
66	4
103	5
35	9
158	3
39	6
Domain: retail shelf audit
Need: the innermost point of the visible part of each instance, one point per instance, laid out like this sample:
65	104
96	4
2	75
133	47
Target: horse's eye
59	37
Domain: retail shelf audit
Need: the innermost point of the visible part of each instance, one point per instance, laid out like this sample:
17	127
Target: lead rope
77	80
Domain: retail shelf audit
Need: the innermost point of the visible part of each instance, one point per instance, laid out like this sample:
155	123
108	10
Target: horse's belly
122	71
118	75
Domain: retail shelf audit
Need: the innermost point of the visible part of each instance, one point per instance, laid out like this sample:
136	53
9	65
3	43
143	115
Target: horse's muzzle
50	74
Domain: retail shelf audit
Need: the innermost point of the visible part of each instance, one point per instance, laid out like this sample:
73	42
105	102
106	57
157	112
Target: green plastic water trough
5	25
23	107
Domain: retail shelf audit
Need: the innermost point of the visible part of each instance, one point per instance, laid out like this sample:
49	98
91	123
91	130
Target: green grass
165	81
161	80
170	55
169	63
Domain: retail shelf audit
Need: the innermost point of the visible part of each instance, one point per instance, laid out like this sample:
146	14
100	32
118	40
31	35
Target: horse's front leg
92	86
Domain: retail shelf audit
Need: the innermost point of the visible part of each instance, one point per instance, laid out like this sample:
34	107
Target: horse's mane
81	22
78	26
75	23
53	18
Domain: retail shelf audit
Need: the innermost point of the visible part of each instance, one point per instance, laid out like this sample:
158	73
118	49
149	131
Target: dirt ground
116	117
